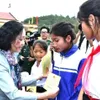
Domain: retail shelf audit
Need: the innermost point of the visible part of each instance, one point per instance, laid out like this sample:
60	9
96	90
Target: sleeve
28	79
8	87
78	88
80	64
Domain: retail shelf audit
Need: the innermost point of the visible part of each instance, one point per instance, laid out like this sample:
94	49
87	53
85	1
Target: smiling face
17	45
38	52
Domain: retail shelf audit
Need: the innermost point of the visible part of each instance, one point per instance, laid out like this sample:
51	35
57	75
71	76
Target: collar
10	57
71	51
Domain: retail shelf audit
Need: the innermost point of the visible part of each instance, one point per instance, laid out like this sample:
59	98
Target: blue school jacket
67	65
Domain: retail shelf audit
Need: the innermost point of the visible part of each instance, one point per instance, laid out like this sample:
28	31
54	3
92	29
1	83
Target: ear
68	38
91	20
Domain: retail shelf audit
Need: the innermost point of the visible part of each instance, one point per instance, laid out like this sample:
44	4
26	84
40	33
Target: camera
33	37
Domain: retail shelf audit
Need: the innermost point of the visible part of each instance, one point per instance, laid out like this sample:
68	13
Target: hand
30	58
21	57
52	93
80	96
42	76
51	46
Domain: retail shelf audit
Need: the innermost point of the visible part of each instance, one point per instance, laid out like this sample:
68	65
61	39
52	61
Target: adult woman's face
17	45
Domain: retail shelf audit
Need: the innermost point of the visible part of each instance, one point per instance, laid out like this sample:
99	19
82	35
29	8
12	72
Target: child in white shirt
40	49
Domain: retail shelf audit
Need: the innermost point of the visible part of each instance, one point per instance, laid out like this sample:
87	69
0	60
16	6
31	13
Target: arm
29	79
80	96
49	94
8	88
31	59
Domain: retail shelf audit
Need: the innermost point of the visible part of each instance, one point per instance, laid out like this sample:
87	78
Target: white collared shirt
93	81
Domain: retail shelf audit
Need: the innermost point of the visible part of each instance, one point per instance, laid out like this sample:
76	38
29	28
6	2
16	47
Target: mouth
38	58
56	49
19	49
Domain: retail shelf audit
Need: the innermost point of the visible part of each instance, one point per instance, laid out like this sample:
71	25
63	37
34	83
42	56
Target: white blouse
36	72
92	85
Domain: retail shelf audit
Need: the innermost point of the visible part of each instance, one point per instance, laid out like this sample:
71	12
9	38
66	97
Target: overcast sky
23	9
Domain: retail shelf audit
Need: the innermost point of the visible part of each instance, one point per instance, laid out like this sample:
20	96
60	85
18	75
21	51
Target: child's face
59	44
38	52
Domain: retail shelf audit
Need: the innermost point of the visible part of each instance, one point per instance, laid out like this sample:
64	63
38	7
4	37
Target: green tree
49	20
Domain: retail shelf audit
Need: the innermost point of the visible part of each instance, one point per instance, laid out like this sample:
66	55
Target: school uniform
67	65
91	85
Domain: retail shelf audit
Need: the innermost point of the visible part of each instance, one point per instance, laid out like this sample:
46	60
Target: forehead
53	36
44	30
38	47
23	32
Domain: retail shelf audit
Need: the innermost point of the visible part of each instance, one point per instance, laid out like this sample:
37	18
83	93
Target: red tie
89	61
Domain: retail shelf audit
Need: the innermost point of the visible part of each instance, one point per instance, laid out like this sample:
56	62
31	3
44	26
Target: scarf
87	66
14	67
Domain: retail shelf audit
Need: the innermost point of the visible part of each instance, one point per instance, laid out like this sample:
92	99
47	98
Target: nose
38	54
53	44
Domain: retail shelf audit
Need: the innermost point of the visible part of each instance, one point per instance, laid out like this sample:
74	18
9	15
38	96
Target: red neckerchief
89	61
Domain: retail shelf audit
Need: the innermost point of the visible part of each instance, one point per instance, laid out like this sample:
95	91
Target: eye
20	39
41	52
56	40
35	51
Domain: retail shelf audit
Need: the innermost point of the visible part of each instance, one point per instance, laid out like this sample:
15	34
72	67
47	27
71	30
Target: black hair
8	33
80	27
82	37
87	8
44	27
28	32
41	43
63	29
33	38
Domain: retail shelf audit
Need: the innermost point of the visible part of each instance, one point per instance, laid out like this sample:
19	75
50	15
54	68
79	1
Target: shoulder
34	65
80	53
3	62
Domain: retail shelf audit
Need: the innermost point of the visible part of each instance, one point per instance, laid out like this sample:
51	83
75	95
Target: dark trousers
85	97
40	89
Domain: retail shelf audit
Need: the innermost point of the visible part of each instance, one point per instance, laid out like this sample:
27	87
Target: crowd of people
27	58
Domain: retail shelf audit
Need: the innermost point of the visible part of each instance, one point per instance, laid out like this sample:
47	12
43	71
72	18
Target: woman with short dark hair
12	35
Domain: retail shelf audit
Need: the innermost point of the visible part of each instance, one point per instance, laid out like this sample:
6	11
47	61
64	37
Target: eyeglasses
27	38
